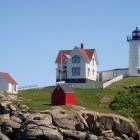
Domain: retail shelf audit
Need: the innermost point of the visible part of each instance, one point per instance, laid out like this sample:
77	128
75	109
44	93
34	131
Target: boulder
12	107
63	119
4	107
73	134
91	137
3	137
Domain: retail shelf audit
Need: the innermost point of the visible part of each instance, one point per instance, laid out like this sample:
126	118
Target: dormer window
76	59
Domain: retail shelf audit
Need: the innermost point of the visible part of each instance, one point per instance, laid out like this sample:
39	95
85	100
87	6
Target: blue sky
33	31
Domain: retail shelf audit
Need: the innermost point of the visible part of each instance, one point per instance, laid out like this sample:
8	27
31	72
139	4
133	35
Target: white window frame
76	71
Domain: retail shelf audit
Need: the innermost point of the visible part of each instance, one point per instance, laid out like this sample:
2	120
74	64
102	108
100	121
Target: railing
85	85
28	87
96	85
112	81
129	38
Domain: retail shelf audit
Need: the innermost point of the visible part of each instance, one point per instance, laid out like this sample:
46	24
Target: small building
62	95
8	84
110	74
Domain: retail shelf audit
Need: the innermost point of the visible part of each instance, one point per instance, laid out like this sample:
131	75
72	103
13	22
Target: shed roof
8	78
65	87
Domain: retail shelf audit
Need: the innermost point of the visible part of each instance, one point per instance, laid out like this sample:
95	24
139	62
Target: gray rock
73	134
63	119
4	109
12	107
72	124
117	138
91	137
16	119
108	133
3	137
125	137
10	123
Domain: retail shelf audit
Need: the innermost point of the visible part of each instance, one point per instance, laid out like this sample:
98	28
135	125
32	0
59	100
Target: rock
3	137
24	108
71	124
73	134
16	119
117	138
35	132
9	127
4	109
125	137
137	136
91	137
12	107
108	133
10	123
12	97
99	122
63	119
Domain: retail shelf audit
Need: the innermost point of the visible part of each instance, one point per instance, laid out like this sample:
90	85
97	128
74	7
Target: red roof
87	53
8	78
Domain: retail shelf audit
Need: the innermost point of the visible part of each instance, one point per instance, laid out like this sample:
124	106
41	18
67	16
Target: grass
93	99
37	99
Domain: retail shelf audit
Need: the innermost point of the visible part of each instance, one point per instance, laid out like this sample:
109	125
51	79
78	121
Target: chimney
82	46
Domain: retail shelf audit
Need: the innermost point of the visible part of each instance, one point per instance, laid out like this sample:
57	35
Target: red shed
62	95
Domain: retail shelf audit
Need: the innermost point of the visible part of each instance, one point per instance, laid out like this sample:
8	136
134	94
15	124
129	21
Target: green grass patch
93	99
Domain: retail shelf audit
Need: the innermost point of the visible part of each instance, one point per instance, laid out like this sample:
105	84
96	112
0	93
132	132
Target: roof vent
82	46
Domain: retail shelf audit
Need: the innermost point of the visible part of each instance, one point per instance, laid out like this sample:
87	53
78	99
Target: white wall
134	57
13	88
3	84
92	67
108	75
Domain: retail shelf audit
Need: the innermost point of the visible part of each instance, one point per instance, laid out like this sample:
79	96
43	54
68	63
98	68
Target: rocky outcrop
77	124
73	123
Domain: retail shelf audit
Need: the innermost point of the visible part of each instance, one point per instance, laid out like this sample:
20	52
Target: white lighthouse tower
134	53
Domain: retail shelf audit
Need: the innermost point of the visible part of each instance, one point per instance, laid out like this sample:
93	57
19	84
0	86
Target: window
88	71
93	71
93	62
76	71
76	59
15	88
114	73
138	71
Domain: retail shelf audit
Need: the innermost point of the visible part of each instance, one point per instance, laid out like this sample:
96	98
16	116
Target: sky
33	31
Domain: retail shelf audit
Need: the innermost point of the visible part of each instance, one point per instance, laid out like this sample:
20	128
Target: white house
8	84
81	68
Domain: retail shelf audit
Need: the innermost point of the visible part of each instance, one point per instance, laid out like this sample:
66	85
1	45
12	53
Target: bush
127	104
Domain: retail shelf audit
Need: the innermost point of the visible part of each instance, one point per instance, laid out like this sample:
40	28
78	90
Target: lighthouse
134	53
